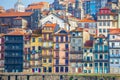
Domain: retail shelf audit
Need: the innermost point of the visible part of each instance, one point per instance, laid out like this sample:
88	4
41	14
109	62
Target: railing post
8	77
28	77
16	77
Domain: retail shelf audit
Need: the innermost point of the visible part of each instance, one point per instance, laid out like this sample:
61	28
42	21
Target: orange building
61	51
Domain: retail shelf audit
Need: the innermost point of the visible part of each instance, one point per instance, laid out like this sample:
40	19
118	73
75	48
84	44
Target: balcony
65	57
76	60
88	60
13	56
45	39
56	49
56	57
100	51
36	59
13	49
47	47
47	55
76	52
115	56
65	49
13	41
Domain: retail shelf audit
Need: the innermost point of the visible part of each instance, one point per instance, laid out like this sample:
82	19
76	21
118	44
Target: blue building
14	51
101	55
114	51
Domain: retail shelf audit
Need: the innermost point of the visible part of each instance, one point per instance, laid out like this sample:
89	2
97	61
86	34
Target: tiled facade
76	50
61	51
114	50
101	55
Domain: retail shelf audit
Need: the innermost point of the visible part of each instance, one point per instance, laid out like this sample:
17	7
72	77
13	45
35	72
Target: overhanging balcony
76	52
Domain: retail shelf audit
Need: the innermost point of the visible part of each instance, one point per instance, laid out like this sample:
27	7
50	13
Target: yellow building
36	56
47	47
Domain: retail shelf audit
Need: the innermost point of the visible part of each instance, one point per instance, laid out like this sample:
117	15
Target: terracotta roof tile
16	31
77	29
13	14
88	43
87	20
50	25
114	31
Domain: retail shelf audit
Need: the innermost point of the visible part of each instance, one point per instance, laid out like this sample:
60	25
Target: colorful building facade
61	51
101	55
114	50
36	53
14	43
76	50
88	57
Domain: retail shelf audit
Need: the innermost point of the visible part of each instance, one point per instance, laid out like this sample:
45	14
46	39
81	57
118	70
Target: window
44	60
50	60
100	23
33	47
57	61
57	38
113	44
105	64
85	71
44	69
100	30
85	64
57	69
39	48
85	50
89	71
66	38
104	23
33	39
108	23
101	48
50	69
106	56
96	64
113	37
96	56
66	54
61	38
61	69
101	56
90	50
117	61
73	35
104	30
117	52
101	64
79	48
90	65
108	17
66	69
39	39
57	46
66	61
104	17
66	46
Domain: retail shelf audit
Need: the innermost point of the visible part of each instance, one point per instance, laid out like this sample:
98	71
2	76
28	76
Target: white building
52	18
114	50
19	7
106	20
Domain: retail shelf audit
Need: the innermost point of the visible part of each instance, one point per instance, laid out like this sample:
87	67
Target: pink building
1	53
61	51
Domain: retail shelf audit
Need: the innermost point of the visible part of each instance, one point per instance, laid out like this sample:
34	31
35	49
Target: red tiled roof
88	43
50	25
87	20
77	29
13	14
114	31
